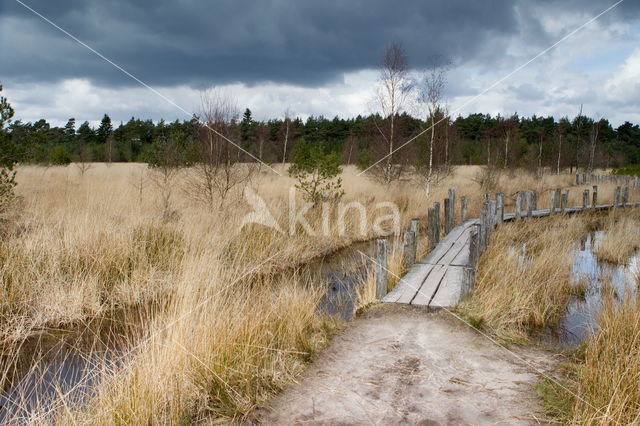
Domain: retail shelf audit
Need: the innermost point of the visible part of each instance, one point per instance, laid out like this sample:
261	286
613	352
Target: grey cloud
199	43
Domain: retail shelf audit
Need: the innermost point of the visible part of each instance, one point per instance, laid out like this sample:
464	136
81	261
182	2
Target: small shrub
316	171
59	156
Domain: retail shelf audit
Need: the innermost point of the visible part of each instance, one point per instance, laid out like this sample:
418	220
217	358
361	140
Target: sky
316	57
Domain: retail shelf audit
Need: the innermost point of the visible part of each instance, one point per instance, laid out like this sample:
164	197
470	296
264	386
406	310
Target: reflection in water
56	363
344	272
581	317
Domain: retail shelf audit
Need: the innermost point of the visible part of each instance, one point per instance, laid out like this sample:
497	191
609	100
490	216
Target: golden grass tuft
607	380
621	236
522	282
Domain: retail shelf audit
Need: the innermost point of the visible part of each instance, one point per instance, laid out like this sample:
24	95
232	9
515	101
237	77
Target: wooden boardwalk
439	281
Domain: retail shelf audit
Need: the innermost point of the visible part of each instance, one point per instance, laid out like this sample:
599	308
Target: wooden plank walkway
437	281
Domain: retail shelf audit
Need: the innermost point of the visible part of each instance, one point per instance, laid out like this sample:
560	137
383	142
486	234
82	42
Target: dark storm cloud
202	42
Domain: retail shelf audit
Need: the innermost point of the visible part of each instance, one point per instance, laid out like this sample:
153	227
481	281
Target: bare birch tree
431	95
218	173
392	92
563	125
593	139
287	126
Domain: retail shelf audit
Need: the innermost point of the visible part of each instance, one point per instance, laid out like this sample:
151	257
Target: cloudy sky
315	57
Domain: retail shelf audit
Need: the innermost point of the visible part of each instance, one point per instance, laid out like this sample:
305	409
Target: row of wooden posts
491	214
590	178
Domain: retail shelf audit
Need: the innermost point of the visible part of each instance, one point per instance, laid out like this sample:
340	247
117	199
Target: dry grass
607	380
621	237
523	281
242	317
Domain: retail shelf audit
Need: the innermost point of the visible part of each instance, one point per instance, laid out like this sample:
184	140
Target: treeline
580	142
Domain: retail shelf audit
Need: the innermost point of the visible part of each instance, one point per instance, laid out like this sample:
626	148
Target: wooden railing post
468	280
585	199
436	223
558	200
483	228
381	268
474	245
518	212
625	196
431	228
452	207
594	202
414	226
500	207
463	209
493	217
564	201
409	250
448	220
529	200
534	199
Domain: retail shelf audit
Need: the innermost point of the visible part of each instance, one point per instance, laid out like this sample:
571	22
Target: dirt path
398	364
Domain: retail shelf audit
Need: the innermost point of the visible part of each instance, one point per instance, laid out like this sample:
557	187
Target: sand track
399	364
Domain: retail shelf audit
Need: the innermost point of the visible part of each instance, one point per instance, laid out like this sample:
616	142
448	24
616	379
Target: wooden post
474	248
448	220
468	280
414	227
558	199
500	207
493	217
625	196
381	268
594	203
518	205
463	209
452	206
436	223
577	178
585	199
482	237
564	201
409	250
534	199
529	200
552	202
431	228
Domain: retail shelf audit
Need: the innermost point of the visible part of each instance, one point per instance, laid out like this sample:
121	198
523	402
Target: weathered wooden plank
457	248
449	291
442	248
408	286
426	292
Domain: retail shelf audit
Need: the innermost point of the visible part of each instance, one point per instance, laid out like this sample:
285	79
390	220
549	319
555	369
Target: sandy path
398	364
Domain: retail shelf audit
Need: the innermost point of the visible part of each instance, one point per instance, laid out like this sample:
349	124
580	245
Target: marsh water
55	362
580	319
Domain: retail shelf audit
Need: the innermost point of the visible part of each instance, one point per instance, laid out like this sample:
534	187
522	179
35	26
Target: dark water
61	362
581	317
344	272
